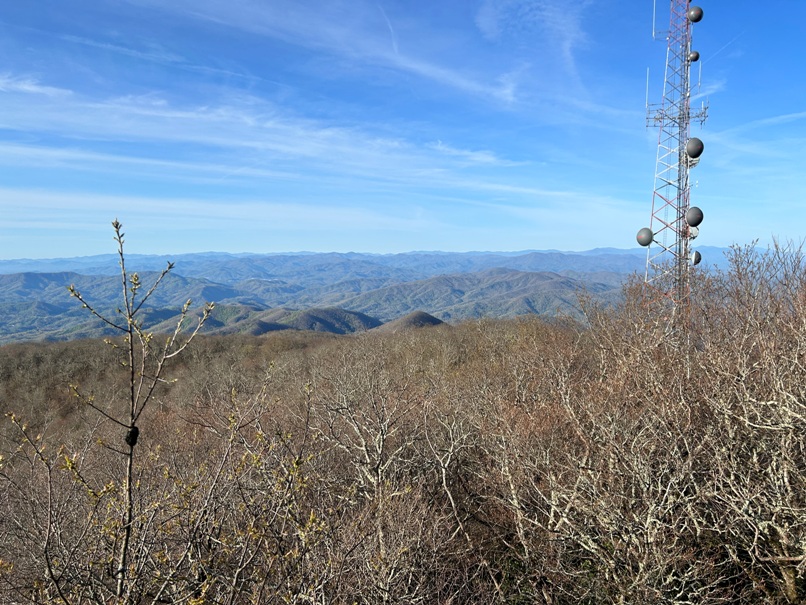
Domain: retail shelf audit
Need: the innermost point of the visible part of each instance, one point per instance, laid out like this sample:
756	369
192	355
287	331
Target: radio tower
674	223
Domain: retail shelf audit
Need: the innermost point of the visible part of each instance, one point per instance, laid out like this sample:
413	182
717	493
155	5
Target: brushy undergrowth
518	461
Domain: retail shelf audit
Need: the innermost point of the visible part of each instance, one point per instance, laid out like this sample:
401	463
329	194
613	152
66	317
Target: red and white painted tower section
674	222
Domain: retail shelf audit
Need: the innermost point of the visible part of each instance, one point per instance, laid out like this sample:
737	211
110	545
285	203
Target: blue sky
382	125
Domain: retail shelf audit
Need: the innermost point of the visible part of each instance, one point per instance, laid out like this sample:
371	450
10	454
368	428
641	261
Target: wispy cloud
712	87
83	160
502	88
242	138
272	215
778	120
472	157
154	53
771	150
29	85
257	144
391	30
356	30
556	21
548	36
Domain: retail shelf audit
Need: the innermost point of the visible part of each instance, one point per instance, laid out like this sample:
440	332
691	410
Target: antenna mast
674	223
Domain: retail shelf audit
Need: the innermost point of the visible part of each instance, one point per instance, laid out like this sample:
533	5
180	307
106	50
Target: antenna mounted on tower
674	223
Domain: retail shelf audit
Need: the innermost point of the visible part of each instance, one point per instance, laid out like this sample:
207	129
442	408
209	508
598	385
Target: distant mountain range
340	293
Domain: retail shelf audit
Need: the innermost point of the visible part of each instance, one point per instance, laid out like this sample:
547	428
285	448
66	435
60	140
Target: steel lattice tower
674	223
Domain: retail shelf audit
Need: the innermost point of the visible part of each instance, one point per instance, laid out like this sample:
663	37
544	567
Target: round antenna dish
694	14
694	56
696	257
645	236
694	216
693	232
694	148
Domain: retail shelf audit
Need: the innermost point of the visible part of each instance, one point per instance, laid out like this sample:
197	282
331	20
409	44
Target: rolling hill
412	321
335	292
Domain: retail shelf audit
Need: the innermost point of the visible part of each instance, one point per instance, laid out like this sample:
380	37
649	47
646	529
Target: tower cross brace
674	223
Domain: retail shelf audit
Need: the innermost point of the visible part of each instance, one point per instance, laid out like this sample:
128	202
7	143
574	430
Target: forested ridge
251	290
611	459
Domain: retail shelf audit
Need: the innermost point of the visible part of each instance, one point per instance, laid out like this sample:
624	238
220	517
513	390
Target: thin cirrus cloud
156	217
254	129
558	23
470	156
10	83
156	53
77	159
273	143
485	115
773	145
345	29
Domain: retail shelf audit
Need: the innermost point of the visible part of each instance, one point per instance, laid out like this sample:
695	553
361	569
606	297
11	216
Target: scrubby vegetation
513	461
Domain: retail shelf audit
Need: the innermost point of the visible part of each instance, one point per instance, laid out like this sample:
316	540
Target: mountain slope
260	293
495	292
412	321
336	321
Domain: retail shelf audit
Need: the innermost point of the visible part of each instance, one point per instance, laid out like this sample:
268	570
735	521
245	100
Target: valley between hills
333	292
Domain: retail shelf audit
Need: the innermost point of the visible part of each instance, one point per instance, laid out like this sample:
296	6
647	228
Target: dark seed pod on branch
132	435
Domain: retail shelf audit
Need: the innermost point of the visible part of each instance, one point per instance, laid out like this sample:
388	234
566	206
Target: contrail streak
723	48
391	31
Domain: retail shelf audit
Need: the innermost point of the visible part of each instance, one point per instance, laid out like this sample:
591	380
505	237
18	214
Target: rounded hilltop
415	319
